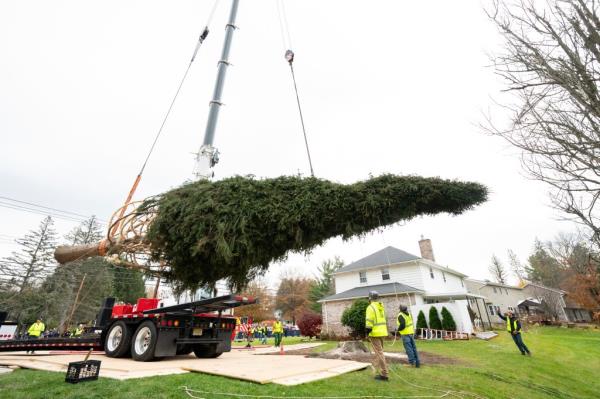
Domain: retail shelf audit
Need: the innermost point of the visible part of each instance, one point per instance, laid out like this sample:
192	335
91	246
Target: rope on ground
190	392
447	392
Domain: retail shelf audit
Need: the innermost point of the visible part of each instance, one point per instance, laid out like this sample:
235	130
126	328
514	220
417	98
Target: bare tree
551	65
497	270
518	269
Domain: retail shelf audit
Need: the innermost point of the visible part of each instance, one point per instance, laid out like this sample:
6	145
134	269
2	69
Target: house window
431	272
363	277
385	274
492	310
444	276
494	289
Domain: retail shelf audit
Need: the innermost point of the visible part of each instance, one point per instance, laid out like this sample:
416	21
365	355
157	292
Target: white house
400	278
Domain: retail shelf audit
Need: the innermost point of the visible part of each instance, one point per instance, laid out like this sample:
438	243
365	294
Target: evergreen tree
543	267
447	320
95	276
128	284
33	261
88	231
434	319
354	318
325	283
421	321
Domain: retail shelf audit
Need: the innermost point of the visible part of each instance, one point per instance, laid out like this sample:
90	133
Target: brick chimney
426	249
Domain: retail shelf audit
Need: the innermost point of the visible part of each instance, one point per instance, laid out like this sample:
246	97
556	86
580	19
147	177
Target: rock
352	347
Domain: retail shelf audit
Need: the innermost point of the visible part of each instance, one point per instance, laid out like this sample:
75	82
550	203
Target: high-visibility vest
508	324
78	331
408	324
375	320
277	327
36	329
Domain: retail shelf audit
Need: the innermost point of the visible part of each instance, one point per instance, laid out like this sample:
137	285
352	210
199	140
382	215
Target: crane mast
208	155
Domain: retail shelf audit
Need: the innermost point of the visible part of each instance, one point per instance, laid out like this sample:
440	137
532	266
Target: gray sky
387	86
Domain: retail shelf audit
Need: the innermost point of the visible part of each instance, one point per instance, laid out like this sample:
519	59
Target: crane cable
289	57
201	38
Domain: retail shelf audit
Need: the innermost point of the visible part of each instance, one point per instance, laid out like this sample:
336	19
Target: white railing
429	333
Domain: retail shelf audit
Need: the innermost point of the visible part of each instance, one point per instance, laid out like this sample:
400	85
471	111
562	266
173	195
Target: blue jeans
411	349
519	342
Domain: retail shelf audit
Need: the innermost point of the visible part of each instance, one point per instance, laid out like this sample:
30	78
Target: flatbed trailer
146	332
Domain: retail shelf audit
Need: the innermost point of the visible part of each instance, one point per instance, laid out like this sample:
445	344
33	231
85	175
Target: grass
565	364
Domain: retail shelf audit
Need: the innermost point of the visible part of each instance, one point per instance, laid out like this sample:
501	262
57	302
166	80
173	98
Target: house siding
437	285
407	273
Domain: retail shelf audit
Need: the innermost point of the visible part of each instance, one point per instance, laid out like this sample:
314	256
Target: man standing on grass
513	326
407	332
277	331
376	328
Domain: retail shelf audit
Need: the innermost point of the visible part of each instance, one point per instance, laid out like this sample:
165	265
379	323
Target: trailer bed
58	343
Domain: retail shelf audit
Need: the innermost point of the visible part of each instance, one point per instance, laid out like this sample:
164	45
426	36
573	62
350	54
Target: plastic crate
83	371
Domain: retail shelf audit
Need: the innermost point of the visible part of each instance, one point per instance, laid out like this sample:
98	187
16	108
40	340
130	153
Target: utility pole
208	156
68	322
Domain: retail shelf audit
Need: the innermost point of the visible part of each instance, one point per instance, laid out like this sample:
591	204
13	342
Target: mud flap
166	344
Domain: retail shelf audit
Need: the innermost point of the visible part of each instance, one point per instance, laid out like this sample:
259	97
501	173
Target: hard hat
373	294
403	308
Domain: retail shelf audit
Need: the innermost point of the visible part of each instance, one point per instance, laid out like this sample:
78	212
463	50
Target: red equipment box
120	310
145	304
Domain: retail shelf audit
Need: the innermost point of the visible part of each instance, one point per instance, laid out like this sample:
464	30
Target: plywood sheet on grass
245	365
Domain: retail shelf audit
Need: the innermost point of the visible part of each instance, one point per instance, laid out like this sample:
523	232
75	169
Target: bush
310	324
421	322
434	319
354	318
447	320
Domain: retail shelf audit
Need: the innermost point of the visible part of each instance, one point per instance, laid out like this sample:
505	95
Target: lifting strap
289	57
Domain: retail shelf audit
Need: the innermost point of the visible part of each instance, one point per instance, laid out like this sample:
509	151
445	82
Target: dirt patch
425	357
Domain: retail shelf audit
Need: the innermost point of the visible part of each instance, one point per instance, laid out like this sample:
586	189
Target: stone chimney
426	249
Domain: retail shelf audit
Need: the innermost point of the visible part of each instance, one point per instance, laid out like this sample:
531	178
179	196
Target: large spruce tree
234	228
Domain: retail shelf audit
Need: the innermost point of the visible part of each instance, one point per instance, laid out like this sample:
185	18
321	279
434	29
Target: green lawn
565	364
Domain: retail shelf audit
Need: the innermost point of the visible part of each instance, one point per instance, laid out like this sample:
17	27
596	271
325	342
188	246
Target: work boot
528	353
417	364
380	377
523	353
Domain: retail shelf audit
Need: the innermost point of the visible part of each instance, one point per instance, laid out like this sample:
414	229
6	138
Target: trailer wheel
144	341
117	341
206	351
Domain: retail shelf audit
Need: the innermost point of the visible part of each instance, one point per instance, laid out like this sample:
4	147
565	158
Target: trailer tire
206	351
118	340
143	342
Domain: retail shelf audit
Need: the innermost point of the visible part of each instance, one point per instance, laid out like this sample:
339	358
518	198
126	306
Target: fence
428	333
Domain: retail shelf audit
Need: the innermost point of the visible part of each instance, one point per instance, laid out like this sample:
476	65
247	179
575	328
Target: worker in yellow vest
513	326
376	328
277	331
35	330
78	331
406	330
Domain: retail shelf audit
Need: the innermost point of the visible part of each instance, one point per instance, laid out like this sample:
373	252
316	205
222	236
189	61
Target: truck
146	331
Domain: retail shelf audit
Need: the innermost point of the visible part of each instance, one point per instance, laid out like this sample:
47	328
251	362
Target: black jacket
512	323
402	322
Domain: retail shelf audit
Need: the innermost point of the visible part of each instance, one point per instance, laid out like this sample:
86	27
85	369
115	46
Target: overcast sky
387	87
